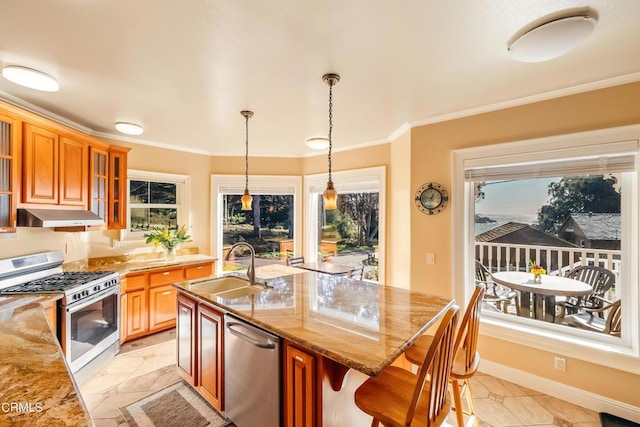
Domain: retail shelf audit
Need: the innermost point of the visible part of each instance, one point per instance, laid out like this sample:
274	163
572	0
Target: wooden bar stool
466	360
396	397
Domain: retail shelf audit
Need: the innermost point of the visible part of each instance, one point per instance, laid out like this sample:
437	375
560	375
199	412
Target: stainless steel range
88	314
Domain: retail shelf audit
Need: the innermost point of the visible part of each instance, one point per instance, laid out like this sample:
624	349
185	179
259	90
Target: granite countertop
124	265
360	325
36	386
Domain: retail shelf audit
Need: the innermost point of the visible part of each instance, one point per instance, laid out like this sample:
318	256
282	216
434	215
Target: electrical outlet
431	258
560	363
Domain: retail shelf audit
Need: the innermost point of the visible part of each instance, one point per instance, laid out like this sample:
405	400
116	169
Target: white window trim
351	180
609	351
266	182
182	197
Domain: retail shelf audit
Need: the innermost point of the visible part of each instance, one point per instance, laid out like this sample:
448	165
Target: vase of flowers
537	271
169	239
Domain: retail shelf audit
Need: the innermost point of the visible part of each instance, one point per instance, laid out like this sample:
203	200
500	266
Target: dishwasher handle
233	327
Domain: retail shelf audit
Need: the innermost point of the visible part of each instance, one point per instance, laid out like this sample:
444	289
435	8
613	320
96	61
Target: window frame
353	180
620	353
182	199
271	184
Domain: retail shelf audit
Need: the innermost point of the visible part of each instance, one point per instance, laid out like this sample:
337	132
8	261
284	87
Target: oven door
90	327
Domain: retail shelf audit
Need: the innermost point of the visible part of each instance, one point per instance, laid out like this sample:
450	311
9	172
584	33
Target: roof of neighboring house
520	232
499	231
598	226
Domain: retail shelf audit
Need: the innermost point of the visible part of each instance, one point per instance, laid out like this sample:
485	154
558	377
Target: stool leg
472	406
375	423
457	400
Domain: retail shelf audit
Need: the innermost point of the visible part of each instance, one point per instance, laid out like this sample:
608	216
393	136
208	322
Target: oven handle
87	302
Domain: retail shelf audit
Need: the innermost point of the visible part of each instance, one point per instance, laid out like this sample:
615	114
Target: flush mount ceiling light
246	197
551	39
30	78
129	128
317	142
330	195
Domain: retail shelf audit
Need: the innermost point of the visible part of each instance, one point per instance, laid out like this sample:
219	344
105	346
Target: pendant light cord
246	156
330	124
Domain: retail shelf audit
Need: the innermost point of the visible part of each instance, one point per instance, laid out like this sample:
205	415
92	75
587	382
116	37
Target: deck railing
556	260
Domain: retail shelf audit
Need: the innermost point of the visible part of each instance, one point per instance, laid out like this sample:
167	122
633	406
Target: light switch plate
431	258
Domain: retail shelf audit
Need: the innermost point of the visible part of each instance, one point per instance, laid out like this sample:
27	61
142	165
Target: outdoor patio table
327	268
543	303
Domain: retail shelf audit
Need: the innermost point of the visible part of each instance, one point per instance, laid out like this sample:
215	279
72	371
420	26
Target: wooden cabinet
150	298
40	164
186	339
55	168
73	172
99	178
302	388
51	313
200	348
137	322
117	188
10	138
162	307
210	355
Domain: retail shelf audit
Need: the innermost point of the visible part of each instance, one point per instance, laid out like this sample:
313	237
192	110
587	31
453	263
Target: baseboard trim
568	393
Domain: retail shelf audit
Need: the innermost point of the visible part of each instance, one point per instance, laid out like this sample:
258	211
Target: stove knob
76	296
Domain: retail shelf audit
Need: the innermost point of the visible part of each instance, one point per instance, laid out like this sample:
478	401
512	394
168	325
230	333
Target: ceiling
185	69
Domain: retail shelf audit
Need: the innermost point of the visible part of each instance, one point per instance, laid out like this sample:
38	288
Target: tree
578	194
362	208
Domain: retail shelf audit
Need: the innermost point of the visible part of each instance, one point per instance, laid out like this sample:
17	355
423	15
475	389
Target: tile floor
148	364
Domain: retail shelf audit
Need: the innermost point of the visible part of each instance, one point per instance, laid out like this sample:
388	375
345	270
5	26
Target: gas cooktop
55	283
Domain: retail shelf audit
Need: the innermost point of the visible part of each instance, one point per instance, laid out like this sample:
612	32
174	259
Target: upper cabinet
10	136
118	187
56	170
44	164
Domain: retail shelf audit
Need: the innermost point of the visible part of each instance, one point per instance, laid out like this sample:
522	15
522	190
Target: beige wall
431	151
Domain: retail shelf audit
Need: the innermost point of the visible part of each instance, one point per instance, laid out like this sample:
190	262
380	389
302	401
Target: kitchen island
329	326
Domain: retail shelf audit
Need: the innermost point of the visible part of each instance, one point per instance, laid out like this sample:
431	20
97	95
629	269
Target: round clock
431	198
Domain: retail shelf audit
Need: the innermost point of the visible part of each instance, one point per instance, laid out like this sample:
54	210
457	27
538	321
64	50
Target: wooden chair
600	279
467	358
592	320
292	262
396	397
493	294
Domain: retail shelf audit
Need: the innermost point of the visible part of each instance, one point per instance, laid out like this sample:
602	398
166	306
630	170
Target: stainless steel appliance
252	374
88	314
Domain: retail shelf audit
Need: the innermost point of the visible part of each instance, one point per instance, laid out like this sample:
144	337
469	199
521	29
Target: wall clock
431	198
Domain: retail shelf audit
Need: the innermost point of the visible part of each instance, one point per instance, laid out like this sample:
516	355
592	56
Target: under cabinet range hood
57	218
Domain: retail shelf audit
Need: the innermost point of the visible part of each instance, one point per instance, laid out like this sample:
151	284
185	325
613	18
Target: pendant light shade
330	195
246	197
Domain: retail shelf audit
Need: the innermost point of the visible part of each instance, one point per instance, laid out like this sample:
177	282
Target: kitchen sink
227	287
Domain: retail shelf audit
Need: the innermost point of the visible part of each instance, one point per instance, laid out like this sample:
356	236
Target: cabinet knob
199	268
166	293
166	273
298	358
184	310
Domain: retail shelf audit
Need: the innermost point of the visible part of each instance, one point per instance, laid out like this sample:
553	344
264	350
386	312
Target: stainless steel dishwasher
251	374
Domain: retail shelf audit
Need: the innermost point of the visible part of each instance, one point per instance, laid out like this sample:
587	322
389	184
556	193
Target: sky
518	197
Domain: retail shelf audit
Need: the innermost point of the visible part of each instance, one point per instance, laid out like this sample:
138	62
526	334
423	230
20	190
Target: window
156	200
353	234
271	227
559	202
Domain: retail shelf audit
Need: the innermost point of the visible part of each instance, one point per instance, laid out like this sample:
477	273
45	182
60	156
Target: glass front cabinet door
10	129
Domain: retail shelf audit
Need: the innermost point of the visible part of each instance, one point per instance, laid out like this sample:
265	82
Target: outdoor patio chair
495	294
599	278
592	320
357	273
292	262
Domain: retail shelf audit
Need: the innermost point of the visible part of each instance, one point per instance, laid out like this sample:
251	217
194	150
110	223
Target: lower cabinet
210	355
302	388
148	299
186	339
200	340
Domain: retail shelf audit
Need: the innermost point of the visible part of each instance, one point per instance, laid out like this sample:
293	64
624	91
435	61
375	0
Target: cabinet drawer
136	281
198	271
165	276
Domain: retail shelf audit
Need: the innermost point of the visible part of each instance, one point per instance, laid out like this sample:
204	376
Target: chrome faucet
251	271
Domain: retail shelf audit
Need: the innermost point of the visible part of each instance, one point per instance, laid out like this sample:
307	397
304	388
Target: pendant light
330	195
246	197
